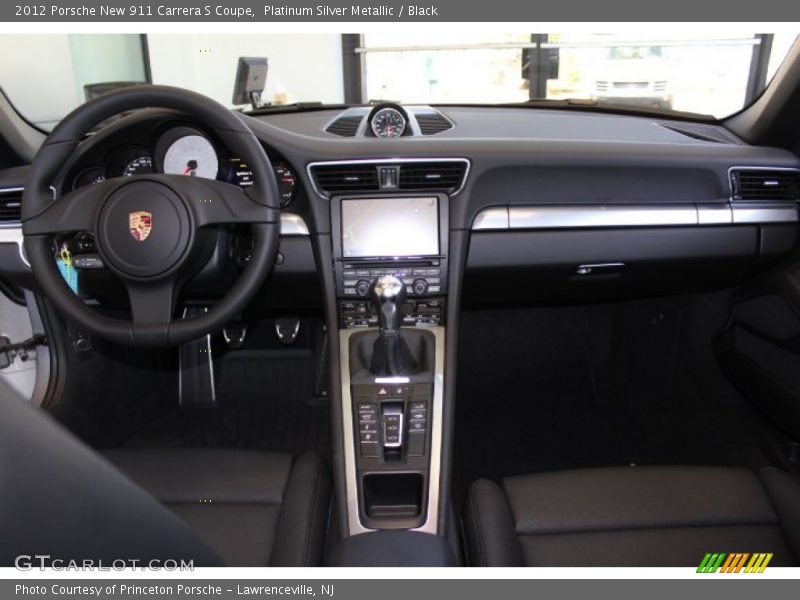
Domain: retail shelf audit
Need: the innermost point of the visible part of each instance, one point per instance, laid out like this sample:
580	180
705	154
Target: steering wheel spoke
215	202
152	302
76	211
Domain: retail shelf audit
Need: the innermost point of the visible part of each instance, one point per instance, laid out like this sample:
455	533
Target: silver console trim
431	523
391	380
759	213
714	214
292	224
383	161
13	235
491	218
569	217
585	217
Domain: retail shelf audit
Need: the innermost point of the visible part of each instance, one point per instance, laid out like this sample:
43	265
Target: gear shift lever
388	293
391	355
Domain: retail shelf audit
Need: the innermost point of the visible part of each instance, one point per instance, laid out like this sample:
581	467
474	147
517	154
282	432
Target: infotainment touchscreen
390	227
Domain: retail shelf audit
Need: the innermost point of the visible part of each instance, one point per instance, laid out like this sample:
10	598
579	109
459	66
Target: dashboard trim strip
11	233
294	225
586	217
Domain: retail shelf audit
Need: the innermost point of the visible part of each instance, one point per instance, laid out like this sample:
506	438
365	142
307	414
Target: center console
391	266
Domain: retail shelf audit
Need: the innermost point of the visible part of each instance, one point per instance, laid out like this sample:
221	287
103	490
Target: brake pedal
197	388
234	333
287	328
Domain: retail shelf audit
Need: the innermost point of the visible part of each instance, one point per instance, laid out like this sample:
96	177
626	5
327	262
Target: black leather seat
253	508
633	516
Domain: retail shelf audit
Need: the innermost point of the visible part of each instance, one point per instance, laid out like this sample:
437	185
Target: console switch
392	419
369	437
417	427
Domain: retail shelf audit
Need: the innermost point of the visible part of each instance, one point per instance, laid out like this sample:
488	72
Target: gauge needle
191	167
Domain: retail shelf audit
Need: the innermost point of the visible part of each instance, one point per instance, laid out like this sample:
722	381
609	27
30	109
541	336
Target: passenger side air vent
346	178
345	126
432	123
765	184
432	175
10	206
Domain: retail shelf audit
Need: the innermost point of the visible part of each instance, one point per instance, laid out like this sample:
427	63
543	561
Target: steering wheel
148	228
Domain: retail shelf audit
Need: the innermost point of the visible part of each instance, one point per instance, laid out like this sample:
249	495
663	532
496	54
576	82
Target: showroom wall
305	67
44	75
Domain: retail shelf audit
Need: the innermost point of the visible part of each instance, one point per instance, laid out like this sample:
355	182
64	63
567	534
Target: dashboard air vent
765	184
433	123
346	178
10	206
432	175
345	126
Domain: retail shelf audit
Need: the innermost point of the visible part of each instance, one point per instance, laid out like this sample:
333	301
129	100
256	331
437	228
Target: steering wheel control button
144	229
88	262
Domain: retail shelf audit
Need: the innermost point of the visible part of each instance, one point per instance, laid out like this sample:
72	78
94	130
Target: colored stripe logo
736	562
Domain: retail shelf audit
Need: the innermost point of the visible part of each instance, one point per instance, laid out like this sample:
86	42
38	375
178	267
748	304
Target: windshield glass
709	74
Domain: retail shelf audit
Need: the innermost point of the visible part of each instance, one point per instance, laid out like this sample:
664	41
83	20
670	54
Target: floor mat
265	402
628	383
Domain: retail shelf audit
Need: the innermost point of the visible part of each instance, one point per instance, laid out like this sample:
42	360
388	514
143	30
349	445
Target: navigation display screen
390	227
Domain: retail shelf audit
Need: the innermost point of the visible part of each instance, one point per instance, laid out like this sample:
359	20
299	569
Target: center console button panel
360	313
392	421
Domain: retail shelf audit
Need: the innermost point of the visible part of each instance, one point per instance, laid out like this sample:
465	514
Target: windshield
712	74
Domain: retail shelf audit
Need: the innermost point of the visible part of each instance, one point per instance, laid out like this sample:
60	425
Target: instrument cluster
188	152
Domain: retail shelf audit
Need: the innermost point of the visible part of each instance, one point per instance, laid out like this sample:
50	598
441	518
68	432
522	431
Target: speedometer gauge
139	165
388	123
193	156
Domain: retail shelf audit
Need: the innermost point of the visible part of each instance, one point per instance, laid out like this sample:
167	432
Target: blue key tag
67	269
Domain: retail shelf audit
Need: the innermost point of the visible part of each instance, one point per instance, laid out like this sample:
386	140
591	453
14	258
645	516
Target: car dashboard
586	204
453	206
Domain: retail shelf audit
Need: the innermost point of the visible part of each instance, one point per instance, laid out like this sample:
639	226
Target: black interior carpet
617	384
265	401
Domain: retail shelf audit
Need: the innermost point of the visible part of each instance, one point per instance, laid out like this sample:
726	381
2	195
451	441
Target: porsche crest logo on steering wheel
140	224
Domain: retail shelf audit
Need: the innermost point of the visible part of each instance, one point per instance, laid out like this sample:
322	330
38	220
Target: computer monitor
251	77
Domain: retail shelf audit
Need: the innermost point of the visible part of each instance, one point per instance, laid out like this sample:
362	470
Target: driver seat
214	507
253	508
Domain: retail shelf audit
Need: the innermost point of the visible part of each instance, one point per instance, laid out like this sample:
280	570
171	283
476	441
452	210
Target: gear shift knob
388	293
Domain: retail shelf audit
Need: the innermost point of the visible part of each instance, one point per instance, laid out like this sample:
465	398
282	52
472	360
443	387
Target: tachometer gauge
388	123
287	182
193	156
139	165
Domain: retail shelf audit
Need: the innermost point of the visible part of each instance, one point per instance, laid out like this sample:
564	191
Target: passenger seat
633	517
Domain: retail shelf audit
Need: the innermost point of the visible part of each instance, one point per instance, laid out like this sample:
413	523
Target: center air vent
432	175
345	126
433	123
445	175
346	178
10	206
765	184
